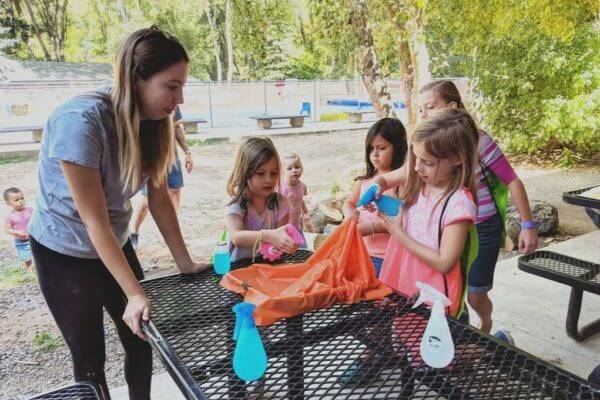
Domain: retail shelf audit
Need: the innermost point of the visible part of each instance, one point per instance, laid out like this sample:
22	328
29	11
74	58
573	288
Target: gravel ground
27	368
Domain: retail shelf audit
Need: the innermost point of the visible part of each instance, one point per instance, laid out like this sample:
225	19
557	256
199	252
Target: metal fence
221	104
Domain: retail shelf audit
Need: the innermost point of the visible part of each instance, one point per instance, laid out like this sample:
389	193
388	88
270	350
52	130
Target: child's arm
349	207
13	232
304	208
392	179
246	239
349	211
454	238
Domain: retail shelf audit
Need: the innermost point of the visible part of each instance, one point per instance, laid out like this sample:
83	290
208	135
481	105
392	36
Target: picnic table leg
37	135
297	122
355	117
295	359
264	123
573	318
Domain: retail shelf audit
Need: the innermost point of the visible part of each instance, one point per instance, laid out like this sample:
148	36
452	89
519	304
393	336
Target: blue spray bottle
249	358
387	204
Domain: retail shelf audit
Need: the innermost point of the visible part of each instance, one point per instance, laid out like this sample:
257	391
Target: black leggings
75	290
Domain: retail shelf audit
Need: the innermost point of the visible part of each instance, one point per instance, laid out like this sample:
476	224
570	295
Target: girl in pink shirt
385	150
429	235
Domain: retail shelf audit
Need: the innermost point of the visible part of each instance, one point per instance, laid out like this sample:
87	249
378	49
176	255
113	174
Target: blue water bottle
222	260
387	204
249	358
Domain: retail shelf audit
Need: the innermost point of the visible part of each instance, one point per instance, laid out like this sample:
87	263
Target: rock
319	239
329	228
320	216
544	215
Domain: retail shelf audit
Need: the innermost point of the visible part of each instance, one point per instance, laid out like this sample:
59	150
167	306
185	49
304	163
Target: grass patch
16	159
205	142
46	341
12	274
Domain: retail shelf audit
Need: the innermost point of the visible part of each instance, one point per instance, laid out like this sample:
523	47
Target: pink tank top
375	245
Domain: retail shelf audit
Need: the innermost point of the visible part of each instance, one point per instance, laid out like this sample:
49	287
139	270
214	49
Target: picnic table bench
357	115
592	205
190	124
265	121
35	129
580	275
191	331
76	391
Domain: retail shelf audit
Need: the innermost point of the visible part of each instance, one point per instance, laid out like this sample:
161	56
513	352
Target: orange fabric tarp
340	271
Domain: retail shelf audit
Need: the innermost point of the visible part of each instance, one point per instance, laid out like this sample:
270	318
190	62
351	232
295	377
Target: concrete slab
163	388
534	310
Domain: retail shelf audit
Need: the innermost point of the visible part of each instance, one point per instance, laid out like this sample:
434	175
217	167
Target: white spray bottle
437	346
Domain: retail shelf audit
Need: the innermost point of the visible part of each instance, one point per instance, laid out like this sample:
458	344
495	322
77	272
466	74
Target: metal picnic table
592	205
192	324
579	274
76	391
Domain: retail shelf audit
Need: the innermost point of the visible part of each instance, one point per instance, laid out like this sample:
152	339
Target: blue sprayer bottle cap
249	357
387	204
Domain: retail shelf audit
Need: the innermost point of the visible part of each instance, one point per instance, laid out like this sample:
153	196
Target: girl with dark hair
385	150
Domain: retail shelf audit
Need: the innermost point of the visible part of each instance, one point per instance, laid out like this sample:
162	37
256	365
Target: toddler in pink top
16	223
294	189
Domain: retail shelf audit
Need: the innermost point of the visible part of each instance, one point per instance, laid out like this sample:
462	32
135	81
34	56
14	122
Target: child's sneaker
505	336
133	237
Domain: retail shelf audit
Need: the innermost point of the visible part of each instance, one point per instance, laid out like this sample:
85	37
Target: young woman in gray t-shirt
97	151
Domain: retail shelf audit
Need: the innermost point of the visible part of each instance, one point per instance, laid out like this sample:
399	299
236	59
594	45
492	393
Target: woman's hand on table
138	308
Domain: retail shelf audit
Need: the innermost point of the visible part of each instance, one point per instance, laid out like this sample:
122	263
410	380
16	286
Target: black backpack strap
442	217
440	243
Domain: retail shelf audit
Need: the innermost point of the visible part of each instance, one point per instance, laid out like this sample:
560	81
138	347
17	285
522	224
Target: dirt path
27	368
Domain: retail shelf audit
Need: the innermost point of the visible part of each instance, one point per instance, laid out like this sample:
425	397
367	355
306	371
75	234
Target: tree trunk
61	32
36	31
371	73
229	38
123	11
413	57
215	41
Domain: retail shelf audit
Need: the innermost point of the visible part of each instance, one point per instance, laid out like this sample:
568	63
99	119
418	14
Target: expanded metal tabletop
192	324
574	197
76	391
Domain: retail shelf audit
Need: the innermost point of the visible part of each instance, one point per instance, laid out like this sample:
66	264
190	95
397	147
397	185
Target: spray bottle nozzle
243	317
428	293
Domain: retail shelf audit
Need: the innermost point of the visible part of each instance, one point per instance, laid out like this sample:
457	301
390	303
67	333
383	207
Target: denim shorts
174	179
377	263
481	275
23	250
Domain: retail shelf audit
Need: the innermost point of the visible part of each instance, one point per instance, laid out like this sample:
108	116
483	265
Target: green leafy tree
534	65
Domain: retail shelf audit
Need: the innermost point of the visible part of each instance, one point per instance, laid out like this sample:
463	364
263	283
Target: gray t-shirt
81	131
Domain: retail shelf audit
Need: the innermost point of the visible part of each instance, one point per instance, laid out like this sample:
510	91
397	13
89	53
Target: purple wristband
527	224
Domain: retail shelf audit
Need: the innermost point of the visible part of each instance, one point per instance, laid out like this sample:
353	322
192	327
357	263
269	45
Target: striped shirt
492	159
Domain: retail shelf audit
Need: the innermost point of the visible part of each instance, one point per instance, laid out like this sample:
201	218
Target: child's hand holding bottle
281	240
